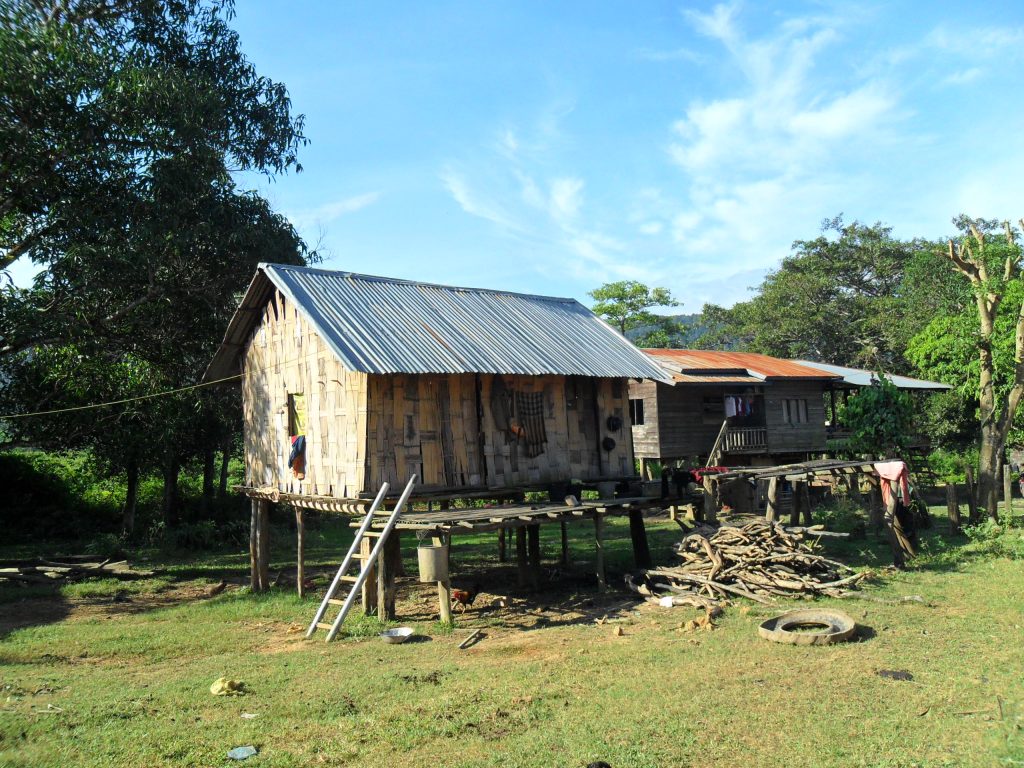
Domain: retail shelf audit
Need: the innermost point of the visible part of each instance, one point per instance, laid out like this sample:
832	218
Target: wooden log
502	555
805	504
638	534
254	547
300	555
772	509
795	503
953	509
1007	491
898	554
972	496
521	565
564	560
533	554
599	551
263	536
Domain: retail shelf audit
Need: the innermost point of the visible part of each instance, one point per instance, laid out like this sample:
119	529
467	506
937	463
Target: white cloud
473	203
325	214
566	198
676	54
963	77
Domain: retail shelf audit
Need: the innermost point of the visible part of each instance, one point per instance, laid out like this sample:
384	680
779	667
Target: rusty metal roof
687	378
385	325
707	363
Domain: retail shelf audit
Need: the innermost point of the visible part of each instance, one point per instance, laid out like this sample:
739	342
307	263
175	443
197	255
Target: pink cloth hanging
894	471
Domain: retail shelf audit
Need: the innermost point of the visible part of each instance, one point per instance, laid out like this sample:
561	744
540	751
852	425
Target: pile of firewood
759	561
66	569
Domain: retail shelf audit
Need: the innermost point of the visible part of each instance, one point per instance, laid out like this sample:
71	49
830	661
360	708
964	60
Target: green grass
114	675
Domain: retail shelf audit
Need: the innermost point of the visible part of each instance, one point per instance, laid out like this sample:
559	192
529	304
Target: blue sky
551	147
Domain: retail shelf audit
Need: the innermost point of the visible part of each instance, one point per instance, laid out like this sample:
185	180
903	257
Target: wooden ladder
717	449
356	582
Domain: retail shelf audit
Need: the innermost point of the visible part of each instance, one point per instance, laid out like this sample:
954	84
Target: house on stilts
352	381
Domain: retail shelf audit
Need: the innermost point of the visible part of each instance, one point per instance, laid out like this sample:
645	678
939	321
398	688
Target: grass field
110	673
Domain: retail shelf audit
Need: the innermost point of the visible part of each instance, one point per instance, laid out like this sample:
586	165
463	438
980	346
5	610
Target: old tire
831	627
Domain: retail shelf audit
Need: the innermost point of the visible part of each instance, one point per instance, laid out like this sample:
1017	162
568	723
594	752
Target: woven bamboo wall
286	356
429	424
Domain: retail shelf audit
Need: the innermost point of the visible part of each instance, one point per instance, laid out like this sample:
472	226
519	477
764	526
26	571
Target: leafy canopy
625	305
880	417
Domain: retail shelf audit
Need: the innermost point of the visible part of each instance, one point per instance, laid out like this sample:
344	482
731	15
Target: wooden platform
448	521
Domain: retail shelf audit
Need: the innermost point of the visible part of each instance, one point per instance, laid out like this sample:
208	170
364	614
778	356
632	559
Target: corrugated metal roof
385	325
859	377
762	367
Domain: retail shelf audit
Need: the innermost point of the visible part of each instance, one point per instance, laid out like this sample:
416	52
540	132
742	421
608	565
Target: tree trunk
172	467
130	498
209	470
225	459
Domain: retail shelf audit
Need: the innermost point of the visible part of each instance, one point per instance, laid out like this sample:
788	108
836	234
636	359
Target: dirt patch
37	611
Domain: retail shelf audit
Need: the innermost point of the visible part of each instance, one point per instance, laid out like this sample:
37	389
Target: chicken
462	598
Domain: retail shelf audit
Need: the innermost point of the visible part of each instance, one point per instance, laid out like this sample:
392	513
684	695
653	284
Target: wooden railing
745	440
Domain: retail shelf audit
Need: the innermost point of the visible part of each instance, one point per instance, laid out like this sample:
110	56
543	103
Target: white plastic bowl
397	635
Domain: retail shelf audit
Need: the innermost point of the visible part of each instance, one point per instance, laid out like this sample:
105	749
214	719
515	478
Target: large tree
97	98
626	304
839	298
121	124
981	348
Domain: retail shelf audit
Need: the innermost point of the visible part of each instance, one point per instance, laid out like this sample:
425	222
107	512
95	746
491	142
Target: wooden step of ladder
353	555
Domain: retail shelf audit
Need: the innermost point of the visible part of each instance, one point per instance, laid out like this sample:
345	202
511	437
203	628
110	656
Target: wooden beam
502	555
795	503
599	551
564	560
805	504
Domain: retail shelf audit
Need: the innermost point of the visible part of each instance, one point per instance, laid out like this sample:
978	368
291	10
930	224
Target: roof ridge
402	281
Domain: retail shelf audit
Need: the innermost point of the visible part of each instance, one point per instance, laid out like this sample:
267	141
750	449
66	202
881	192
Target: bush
998	540
948	466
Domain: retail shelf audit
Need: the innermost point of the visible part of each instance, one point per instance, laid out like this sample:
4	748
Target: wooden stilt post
502	556
564	560
953	509
805	504
599	551
369	592
972	496
796	503
710	499
772	509
300	555
533	552
263	536
638	534
444	588
392	558
875	512
521	565
1007	491
254	547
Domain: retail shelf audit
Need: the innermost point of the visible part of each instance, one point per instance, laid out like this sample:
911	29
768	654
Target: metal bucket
433	562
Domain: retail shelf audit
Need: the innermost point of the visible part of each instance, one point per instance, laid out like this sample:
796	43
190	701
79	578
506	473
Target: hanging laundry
527	424
730	407
297	457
